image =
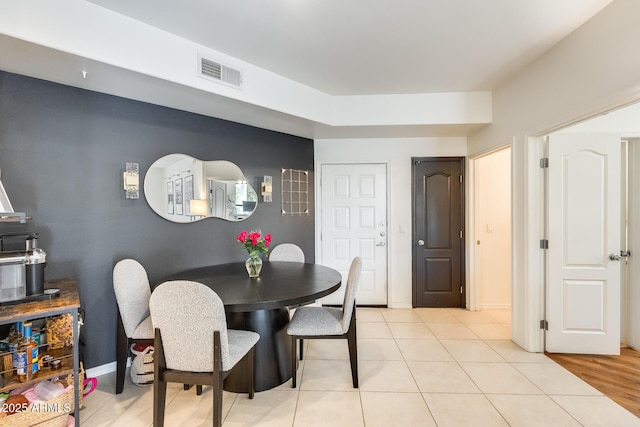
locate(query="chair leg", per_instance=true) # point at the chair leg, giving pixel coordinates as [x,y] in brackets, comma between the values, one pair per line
[353,353]
[294,362]
[159,385]
[217,399]
[122,351]
[251,374]
[301,347]
[199,390]
[159,401]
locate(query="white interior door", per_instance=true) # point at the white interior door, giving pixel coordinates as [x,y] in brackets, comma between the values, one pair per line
[583,289]
[354,223]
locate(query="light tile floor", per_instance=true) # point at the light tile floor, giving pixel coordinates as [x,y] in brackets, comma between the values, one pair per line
[420,367]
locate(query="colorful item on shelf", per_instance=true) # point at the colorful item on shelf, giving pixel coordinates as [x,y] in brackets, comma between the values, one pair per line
[60,331]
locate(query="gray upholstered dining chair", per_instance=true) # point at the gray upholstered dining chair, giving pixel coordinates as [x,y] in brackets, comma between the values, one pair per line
[131,286]
[329,322]
[193,344]
[291,253]
[286,252]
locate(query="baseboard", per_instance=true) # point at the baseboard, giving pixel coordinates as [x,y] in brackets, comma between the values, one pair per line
[399,305]
[107,368]
[495,306]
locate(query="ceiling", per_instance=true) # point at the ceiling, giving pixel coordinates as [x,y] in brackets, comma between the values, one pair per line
[365,47]
[403,56]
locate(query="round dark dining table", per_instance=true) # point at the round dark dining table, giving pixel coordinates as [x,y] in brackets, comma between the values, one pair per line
[260,305]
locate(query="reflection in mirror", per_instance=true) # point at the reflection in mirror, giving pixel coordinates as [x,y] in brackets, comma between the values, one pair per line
[181,188]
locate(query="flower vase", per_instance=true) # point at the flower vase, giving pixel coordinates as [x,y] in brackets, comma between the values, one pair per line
[254,265]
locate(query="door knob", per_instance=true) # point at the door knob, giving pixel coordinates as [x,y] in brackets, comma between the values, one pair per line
[623,254]
[420,242]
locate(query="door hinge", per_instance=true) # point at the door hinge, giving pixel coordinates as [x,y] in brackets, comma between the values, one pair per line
[544,244]
[544,325]
[461,234]
[461,179]
[544,163]
[460,289]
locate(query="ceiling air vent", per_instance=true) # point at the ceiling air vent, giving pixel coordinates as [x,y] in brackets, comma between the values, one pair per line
[214,70]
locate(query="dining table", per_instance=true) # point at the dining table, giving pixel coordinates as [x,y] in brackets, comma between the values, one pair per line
[261,305]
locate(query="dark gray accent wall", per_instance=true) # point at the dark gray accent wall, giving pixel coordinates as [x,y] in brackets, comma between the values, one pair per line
[62,154]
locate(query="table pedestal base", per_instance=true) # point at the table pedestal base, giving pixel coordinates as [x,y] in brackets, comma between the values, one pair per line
[273,350]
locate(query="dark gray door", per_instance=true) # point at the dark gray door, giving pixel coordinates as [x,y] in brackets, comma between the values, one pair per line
[438,232]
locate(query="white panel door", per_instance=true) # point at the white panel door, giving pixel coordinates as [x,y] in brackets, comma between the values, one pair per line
[583,291]
[354,223]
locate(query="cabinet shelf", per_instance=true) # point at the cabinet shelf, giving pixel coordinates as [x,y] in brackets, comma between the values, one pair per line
[66,367]
[67,302]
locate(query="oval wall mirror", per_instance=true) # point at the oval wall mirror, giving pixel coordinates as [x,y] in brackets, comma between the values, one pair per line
[181,188]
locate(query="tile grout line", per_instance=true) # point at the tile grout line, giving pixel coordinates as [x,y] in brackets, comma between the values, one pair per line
[471,379]
[478,386]
[409,369]
[529,380]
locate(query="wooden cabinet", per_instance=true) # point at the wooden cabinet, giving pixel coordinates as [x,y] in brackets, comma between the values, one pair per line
[67,302]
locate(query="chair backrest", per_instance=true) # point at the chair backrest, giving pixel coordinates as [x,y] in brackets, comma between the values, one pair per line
[353,283]
[131,286]
[286,252]
[187,313]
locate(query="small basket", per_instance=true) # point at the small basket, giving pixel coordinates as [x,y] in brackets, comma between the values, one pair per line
[59,421]
[59,409]
[142,366]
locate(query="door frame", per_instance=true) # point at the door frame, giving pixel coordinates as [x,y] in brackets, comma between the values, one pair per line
[463,171]
[473,284]
[318,215]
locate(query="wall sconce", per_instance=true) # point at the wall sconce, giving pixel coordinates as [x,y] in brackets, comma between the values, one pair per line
[266,188]
[131,179]
[198,207]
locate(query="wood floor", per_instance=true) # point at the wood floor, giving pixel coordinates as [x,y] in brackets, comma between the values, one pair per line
[617,377]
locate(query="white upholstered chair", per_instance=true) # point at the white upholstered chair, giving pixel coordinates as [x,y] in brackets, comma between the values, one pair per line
[286,252]
[193,344]
[329,322]
[291,253]
[131,286]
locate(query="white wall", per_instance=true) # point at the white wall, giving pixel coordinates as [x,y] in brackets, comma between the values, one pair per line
[593,70]
[396,153]
[493,229]
[625,121]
